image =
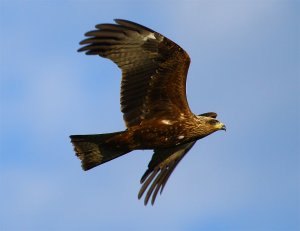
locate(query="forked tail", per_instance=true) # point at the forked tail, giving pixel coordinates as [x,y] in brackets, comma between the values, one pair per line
[94,150]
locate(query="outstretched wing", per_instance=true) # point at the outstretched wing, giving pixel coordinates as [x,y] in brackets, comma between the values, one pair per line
[160,168]
[154,69]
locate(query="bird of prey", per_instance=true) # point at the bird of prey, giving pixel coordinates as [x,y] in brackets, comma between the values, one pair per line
[153,102]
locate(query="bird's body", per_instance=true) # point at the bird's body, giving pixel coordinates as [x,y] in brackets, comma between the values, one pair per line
[160,134]
[153,101]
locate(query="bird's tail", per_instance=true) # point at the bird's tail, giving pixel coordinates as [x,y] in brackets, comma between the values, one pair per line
[94,150]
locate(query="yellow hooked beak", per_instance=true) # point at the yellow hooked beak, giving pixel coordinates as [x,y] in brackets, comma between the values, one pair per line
[221,126]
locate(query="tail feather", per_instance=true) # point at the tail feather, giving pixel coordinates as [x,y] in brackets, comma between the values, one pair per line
[94,150]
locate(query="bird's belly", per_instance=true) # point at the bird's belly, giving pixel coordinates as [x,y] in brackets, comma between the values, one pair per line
[158,137]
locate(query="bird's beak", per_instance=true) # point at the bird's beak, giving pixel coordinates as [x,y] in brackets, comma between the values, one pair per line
[222,127]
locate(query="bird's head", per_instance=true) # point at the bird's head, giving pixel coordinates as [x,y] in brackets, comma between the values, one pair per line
[209,121]
[216,124]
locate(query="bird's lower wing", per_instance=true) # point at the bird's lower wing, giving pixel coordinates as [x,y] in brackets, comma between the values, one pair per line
[161,166]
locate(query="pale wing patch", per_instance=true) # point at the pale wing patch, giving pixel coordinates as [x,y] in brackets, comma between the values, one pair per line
[167,122]
[149,36]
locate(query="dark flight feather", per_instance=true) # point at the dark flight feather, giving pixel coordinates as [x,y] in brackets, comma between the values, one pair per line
[161,166]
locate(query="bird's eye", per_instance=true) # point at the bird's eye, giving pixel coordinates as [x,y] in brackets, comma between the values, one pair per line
[213,122]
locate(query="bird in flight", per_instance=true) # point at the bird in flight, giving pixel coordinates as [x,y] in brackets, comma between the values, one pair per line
[153,103]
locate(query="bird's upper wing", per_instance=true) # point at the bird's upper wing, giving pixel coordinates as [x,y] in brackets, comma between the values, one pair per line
[154,69]
[160,168]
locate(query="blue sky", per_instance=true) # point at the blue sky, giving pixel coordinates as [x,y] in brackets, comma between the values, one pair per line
[245,66]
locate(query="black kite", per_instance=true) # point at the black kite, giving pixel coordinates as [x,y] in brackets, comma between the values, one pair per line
[153,101]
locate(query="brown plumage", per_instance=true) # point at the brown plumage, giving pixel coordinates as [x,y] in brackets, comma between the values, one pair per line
[153,102]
